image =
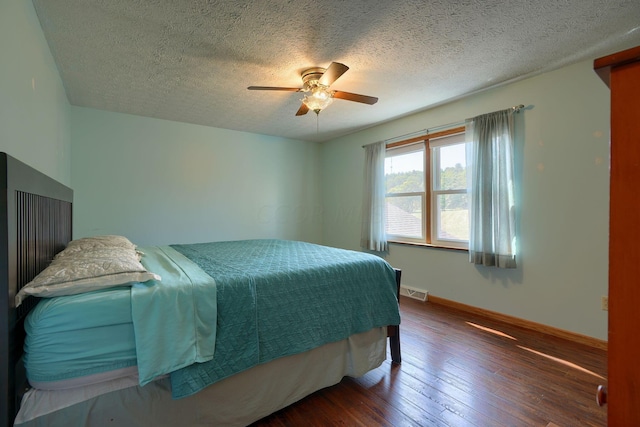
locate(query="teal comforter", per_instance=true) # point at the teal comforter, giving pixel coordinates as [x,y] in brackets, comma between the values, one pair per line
[270,298]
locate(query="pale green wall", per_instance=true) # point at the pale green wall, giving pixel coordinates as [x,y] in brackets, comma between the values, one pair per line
[34,111]
[163,182]
[562,184]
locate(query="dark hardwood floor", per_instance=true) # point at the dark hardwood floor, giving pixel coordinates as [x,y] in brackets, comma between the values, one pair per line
[460,369]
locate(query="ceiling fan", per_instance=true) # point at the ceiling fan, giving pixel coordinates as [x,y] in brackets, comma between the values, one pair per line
[316,82]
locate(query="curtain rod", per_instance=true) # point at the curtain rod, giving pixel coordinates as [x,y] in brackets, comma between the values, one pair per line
[515,108]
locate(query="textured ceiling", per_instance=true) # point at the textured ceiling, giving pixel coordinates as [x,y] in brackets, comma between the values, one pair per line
[192,60]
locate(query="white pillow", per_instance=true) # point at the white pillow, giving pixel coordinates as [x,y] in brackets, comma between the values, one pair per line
[85,271]
[90,243]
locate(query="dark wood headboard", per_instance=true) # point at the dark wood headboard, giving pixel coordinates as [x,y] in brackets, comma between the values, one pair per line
[35,224]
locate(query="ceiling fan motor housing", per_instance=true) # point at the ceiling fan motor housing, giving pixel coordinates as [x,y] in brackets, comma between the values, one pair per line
[311,76]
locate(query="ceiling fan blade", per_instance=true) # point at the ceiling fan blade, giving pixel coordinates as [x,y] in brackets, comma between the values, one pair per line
[355,97]
[332,73]
[302,110]
[288,89]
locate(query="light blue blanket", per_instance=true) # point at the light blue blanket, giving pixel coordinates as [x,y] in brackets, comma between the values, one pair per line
[274,298]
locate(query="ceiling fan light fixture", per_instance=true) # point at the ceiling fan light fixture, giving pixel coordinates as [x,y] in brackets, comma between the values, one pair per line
[316,82]
[319,98]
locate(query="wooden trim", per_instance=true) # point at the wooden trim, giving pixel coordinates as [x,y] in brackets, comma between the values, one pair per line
[602,66]
[406,142]
[527,324]
[447,132]
[426,137]
[623,371]
[426,245]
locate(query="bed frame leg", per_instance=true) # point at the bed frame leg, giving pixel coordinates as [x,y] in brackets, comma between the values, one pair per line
[394,331]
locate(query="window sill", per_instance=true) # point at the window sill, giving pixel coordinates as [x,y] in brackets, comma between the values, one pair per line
[427,245]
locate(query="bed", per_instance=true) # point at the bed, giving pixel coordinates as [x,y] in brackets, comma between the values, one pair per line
[36,227]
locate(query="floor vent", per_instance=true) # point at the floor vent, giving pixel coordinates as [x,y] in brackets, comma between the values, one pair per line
[418,294]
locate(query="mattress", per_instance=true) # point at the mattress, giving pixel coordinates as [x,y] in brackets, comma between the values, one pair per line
[80,339]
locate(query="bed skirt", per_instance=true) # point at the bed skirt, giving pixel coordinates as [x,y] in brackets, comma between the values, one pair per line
[235,401]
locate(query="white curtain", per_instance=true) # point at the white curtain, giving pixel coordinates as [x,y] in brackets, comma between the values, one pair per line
[492,234]
[373,234]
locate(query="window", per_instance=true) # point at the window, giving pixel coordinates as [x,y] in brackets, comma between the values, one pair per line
[449,198]
[426,199]
[404,172]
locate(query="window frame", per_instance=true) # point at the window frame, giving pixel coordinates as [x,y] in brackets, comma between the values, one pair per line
[435,192]
[429,218]
[423,194]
